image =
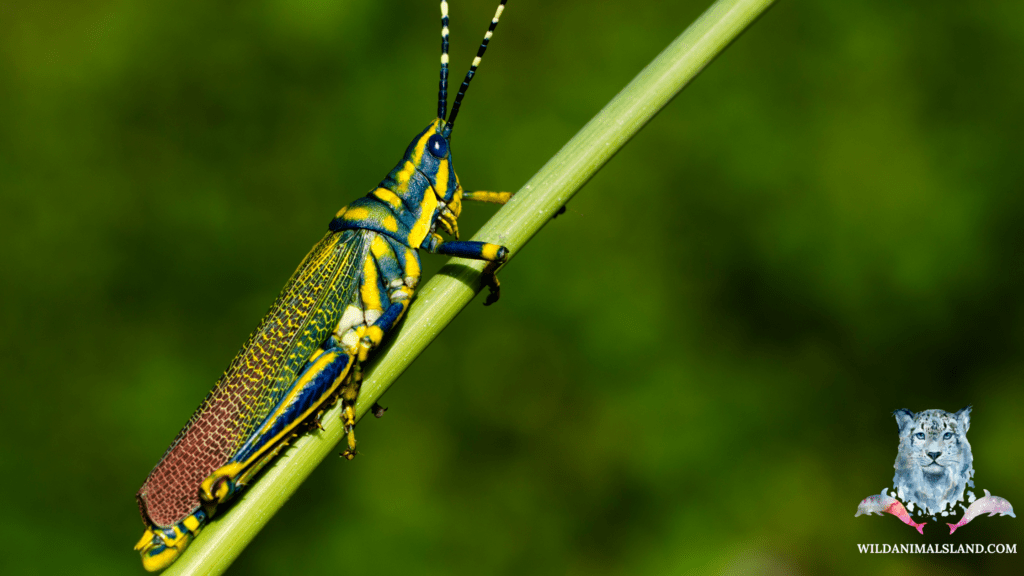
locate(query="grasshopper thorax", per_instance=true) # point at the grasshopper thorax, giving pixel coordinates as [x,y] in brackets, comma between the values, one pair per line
[420,193]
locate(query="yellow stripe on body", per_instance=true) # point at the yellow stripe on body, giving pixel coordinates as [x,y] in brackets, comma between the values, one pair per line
[388,197]
[422,226]
[379,246]
[421,145]
[369,289]
[412,269]
[442,179]
[357,214]
[405,176]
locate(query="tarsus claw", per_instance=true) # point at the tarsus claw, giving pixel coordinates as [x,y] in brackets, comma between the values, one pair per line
[495,289]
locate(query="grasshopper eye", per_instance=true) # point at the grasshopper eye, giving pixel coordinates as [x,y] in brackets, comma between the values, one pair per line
[438,146]
[919,435]
[947,435]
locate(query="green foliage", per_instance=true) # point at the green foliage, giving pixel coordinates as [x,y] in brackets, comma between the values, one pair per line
[692,369]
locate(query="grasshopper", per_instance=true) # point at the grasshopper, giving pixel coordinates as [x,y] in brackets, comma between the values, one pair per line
[345,297]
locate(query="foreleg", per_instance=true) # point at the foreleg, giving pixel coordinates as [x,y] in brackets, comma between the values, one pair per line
[498,198]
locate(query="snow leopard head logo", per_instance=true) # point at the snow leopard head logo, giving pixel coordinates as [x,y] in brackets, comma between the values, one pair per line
[934,462]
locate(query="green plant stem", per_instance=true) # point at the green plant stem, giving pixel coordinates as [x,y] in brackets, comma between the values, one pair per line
[447,293]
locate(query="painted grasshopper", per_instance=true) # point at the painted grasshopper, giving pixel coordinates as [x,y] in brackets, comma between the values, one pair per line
[345,297]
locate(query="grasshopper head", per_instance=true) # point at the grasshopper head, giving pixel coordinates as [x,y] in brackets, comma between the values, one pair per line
[425,178]
[430,152]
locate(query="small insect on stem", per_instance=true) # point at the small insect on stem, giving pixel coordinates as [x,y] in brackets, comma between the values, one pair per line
[346,296]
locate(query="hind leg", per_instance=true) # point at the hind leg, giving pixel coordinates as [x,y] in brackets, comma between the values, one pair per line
[316,383]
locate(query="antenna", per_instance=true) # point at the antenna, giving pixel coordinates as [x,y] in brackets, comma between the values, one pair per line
[472,68]
[442,94]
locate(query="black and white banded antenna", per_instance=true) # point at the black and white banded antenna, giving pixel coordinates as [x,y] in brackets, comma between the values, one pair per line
[442,94]
[472,69]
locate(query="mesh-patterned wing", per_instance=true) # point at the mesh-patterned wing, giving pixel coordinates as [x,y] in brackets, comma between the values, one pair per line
[301,318]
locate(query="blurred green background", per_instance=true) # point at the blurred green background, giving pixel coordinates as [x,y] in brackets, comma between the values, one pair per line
[692,370]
